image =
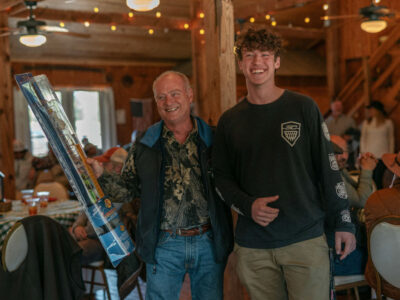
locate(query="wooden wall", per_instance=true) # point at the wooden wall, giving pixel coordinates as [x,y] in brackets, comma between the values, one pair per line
[126,82]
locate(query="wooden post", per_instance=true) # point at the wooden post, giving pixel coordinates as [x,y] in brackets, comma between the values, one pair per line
[6,114]
[332,53]
[367,80]
[214,69]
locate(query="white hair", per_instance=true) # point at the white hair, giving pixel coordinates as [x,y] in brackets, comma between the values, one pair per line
[184,78]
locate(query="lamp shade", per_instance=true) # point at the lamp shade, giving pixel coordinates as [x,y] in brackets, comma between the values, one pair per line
[373,26]
[142,5]
[32,40]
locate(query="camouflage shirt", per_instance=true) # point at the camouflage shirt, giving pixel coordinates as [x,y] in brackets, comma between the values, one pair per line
[185,204]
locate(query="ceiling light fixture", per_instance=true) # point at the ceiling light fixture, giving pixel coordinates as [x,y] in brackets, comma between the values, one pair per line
[142,5]
[373,25]
[32,40]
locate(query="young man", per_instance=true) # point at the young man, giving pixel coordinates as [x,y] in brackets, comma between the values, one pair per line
[182,226]
[273,159]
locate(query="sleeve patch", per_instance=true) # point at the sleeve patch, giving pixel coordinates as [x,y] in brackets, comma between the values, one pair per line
[325,131]
[345,216]
[333,163]
[341,190]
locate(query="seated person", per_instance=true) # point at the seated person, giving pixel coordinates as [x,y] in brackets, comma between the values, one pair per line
[24,172]
[113,159]
[83,232]
[358,193]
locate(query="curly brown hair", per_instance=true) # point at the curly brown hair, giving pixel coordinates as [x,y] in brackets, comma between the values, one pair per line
[264,40]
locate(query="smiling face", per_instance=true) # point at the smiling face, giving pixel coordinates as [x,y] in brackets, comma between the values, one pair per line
[258,66]
[173,99]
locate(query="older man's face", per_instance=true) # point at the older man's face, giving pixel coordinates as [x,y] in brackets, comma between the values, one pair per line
[173,101]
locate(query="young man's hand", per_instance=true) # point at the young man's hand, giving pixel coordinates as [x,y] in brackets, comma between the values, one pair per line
[97,167]
[261,213]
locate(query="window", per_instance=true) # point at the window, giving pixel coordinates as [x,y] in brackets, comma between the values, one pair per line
[91,113]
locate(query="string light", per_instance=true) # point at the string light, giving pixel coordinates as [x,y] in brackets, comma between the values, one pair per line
[307,20]
[267,17]
[273,23]
[130,14]
[186,26]
[113,27]
[201,15]
[151,31]
[252,20]
[86,23]
[158,14]
[96,9]
[325,7]
[202,31]
[62,24]
[325,18]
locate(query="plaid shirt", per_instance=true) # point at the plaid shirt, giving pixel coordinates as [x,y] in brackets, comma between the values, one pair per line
[185,204]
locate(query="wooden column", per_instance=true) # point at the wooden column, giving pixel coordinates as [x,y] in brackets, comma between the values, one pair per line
[6,114]
[214,70]
[332,52]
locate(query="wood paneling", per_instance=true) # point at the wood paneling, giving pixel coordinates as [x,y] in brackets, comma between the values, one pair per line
[6,115]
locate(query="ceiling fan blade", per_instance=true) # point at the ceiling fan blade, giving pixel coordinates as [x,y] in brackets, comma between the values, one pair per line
[339,17]
[76,34]
[53,28]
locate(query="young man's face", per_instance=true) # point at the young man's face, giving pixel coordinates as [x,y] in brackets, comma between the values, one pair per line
[258,66]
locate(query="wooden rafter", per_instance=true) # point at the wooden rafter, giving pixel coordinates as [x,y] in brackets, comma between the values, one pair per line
[145,21]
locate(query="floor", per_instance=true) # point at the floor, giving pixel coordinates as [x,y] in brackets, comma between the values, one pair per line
[185,293]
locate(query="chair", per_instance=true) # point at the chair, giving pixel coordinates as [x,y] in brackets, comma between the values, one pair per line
[350,282]
[15,248]
[39,251]
[383,248]
[56,189]
[93,268]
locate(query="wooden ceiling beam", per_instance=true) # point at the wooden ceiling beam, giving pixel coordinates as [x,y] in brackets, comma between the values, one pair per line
[7,5]
[145,21]
[293,32]
[253,8]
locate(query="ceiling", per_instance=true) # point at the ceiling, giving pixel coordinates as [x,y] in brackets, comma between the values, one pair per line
[131,43]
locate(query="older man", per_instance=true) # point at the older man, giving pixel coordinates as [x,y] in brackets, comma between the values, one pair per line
[338,123]
[182,227]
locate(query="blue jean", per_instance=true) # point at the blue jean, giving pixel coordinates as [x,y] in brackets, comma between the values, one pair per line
[177,255]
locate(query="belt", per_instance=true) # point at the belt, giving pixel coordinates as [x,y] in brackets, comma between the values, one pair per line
[192,231]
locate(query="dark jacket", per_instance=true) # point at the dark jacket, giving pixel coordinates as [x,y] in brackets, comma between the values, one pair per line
[150,171]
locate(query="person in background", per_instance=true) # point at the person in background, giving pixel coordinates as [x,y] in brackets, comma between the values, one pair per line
[183,228]
[338,122]
[113,159]
[358,193]
[82,230]
[272,160]
[24,172]
[377,137]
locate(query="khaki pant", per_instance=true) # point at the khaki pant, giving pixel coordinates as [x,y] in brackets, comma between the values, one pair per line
[299,271]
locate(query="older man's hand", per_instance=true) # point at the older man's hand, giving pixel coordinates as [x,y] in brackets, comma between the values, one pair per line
[97,167]
[349,241]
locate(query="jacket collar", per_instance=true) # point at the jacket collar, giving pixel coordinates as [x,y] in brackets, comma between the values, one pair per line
[153,134]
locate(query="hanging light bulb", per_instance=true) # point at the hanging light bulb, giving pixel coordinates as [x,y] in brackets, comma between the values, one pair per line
[142,5]
[32,40]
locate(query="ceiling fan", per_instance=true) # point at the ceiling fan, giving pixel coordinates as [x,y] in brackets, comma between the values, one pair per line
[32,32]
[373,17]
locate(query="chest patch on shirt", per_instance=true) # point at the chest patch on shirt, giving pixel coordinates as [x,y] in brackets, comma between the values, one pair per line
[290,132]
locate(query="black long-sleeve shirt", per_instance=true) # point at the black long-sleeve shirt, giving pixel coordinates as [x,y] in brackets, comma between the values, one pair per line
[281,148]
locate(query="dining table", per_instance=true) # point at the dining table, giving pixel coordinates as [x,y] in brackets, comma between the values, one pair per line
[63,211]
